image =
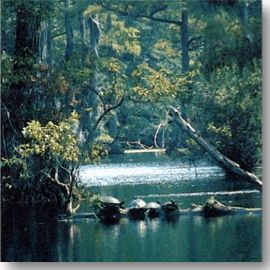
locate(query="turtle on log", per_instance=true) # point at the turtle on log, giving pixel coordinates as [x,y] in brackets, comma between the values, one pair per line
[109,209]
[153,209]
[137,209]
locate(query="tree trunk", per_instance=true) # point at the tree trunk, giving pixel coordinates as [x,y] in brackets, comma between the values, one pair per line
[222,160]
[90,96]
[94,34]
[184,42]
[26,54]
[26,30]
[113,120]
[82,37]
[177,136]
[43,43]
[247,34]
[49,43]
[113,131]
[66,188]
[26,43]
[69,31]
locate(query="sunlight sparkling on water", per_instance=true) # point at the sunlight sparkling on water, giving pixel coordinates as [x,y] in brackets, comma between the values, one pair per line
[108,174]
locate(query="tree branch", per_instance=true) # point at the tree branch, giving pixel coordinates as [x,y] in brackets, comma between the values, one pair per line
[100,98]
[158,9]
[107,110]
[194,39]
[58,35]
[158,19]
[129,143]
[8,117]
[149,17]
[156,134]
[65,186]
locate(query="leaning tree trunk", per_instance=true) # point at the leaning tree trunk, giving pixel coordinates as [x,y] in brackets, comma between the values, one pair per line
[222,160]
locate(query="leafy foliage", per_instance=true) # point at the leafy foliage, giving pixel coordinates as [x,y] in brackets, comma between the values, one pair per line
[83,107]
[57,141]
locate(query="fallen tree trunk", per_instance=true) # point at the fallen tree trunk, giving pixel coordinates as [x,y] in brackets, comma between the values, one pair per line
[222,160]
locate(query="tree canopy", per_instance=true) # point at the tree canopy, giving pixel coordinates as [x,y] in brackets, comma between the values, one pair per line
[116,66]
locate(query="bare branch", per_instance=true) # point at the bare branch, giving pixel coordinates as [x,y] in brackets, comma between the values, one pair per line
[65,186]
[76,208]
[65,169]
[129,143]
[156,134]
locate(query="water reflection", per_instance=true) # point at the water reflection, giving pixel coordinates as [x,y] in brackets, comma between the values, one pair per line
[114,229]
[141,227]
[153,225]
[231,238]
[34,235]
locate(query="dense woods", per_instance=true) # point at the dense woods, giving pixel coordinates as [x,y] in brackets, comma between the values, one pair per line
[83,79]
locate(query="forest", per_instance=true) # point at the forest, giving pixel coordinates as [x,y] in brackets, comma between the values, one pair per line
[85,79]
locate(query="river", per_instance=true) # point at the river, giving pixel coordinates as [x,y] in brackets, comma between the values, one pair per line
[34,236]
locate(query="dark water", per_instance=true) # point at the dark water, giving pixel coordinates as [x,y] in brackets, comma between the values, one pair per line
[35,236]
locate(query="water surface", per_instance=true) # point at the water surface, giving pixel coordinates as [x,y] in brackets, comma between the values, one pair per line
[34,236]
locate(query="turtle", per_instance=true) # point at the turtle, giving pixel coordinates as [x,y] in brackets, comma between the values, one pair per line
[214,208]
[169,208]
[110,201]
[153,209]
[137,209]
[109,208]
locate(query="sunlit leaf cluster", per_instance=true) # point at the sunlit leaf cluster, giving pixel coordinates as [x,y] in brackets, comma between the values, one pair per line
[56,140]
[123,39]
[152,84]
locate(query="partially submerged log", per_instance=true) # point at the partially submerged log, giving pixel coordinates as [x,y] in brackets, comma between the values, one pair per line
[214,208]
[77,216]
[222,160]
[167,211]
[199,210]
